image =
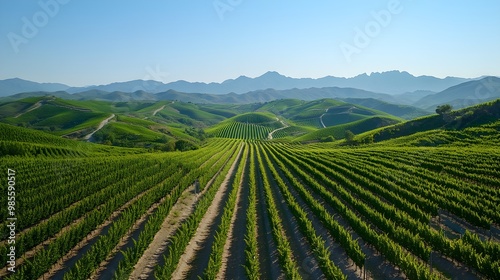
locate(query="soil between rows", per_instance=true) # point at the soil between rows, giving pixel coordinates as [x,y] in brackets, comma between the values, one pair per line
[376,265]
[185,206]
[268,254]
[308,265]
[195,257]
[233,258]
[338,254]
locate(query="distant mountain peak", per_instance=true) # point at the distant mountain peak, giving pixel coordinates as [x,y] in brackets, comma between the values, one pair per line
[271,74]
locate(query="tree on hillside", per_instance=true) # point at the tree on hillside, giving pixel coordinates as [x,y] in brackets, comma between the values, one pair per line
[444,109]
[349,136]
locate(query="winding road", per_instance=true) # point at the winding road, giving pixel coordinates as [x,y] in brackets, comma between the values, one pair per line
[321,118]
[270,135]
[101,125]
[158,110]
[35,106]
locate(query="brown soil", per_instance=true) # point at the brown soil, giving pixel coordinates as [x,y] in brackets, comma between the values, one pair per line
[337,253]
[376,265]
[179,212]
[203,230]
[302,251]
[455,226]
[451,268]
[235,234]
[268,254]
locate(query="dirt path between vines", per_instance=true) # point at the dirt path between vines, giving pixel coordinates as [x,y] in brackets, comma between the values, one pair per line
[35,106]
[235,234]
[377,267]
[203,230]
[124,240]
[302,252]
[101,125]
[184,207]
[270,135]
[178,214]
[158,110]
[338,254]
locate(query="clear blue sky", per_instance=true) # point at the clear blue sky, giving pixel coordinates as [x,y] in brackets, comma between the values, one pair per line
[84,42]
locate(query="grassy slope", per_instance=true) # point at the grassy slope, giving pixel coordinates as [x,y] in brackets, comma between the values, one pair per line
[133,132]
[338,131]
[278,107]
[13,108]
[457,120]
[292,132]
[483,135]
[56,119]
[403,111]
[256,118]
[30,142]
[75,118]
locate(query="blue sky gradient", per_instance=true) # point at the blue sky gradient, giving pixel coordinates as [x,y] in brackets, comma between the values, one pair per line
[98,42]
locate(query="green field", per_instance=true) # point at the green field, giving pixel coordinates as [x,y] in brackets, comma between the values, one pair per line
[408,200]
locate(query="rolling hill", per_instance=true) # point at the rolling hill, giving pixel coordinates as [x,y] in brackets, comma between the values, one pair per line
[459,96]
[475,116]
[338,131]
[292,118]
[426,189]
[130,124]
[321,113]
[463,95]
[406,112]
[255,125]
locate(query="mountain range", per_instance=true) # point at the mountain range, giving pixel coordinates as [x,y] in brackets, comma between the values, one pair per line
[459,96]
[391,82]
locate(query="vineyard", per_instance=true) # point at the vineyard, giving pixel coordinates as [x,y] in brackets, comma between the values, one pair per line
[251,209]
[238,130]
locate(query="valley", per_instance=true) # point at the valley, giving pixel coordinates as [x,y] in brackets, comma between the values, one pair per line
[182,190]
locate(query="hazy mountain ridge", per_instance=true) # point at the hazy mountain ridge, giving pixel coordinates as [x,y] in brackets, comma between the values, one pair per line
[465,94]
[391,82]
[459,96]
[16,85]
[230,98]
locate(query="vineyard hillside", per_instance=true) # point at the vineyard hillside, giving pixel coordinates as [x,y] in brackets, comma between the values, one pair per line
[256,125]
[478,115]
[356,127]
[240,205]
